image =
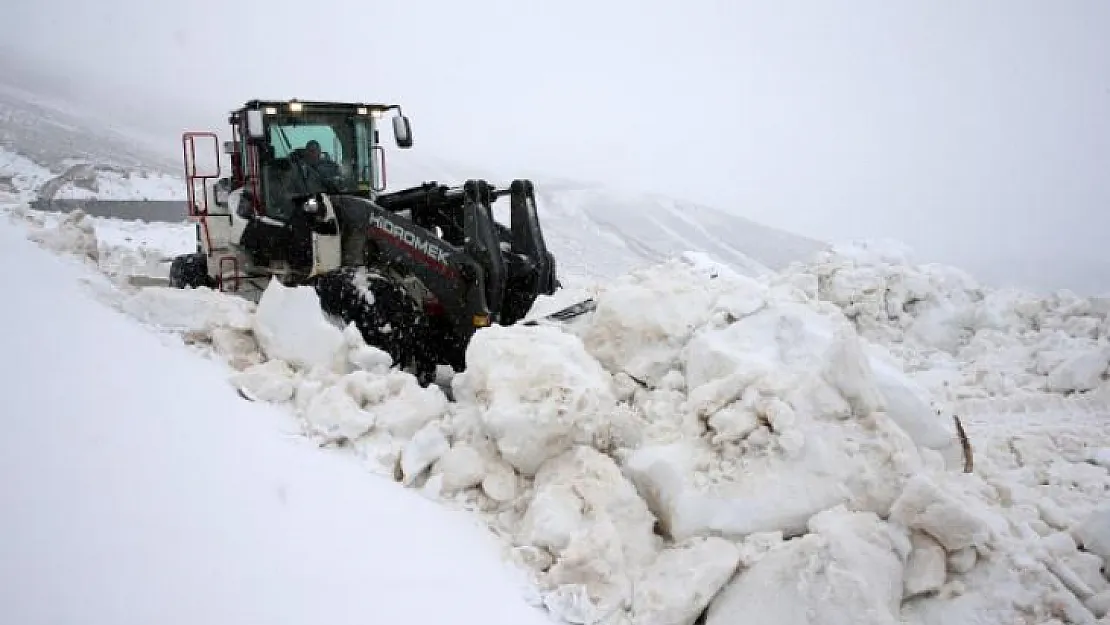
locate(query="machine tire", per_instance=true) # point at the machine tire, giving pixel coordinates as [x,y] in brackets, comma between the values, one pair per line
[384,313]
[190,271]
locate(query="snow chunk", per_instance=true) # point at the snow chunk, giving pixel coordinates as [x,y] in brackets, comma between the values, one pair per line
[426,446]
[1093,534]
[927,566]
[761,503]
[907,405]
[291,326]
[537,392]
[370,358]
[587,514]
[1081,372]
[335,416]
[500,482]
[847,571]
[271,381]
[461,467]
[401,406]
[678,586]
[781,342]
[643,319]
[924,506]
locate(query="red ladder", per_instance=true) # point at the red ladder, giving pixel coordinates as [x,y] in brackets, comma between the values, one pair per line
[195,181]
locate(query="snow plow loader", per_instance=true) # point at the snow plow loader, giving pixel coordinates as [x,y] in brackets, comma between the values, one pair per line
[418,270]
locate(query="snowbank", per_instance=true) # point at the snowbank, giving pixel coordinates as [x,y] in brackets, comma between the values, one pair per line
[704,436]
[120,248]
[141,489]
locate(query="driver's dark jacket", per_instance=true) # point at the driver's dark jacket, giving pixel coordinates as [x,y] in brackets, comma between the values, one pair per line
[317,178]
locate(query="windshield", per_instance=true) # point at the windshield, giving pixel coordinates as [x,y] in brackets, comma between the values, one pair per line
[324,151]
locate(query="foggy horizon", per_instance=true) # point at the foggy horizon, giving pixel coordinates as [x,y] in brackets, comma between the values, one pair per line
[978,134]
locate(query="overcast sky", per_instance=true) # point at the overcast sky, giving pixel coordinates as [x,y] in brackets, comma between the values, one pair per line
[977,132]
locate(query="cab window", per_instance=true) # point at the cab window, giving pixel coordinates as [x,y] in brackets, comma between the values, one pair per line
[289,138]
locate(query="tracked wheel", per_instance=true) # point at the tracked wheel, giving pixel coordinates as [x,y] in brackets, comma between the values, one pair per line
[383,311]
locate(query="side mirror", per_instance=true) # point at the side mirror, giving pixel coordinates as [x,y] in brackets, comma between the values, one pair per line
[311,206]
[402,131]
[255,127]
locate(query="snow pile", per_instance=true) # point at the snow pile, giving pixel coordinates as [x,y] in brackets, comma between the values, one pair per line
[704,437]
[73,234]
[644,438]
[135,248]
[121,248]
[967,341]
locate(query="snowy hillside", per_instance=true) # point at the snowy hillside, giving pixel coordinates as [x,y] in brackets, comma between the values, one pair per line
[613,232]
[57,134]
[777,450]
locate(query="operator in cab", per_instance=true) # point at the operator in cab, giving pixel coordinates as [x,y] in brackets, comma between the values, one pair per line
[318,173]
